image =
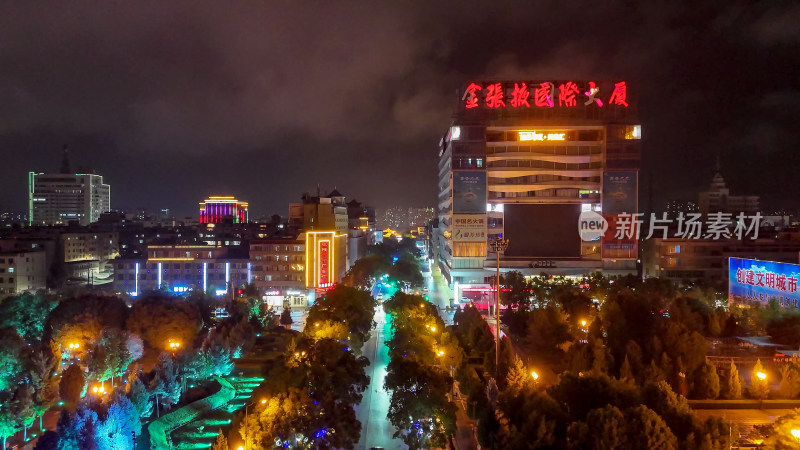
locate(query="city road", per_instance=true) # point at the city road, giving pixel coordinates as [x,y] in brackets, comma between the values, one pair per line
[376,430]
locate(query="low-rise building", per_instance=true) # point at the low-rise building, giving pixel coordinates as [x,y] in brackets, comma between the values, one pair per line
[278,270]
[707,259]
[22,271]
[180,268]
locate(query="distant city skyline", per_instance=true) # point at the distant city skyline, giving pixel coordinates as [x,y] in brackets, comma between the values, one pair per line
[261,103]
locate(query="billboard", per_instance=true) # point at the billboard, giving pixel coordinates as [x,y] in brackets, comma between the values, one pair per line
[619,195]
[469,227]
[469,192]
[751,280]
[542,230]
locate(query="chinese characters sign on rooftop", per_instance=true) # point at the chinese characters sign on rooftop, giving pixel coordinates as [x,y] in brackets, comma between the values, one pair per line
[544,94]
[752,280]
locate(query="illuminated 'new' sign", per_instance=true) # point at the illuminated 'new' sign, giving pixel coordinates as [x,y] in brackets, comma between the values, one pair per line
[546,94]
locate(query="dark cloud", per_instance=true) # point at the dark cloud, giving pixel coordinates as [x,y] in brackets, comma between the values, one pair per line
[175,100]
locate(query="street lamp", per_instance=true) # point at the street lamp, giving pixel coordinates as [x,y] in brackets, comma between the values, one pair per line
[263,402]
[761,375]
[174,345]
[498,245]
[535,376]
[796,433]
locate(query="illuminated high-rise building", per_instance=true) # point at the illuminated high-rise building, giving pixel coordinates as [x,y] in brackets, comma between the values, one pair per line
[523,161]
[219,209]
[59,198]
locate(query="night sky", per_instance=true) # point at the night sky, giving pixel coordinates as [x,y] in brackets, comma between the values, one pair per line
[174,101]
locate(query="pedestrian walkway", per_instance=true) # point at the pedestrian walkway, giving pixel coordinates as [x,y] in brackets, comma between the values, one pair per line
[466,436]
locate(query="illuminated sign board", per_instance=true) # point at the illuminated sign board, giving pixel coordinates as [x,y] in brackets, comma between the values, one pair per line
[469,227]
[541,136]
[544,94]
[619,196]
[754,281]
[323,254]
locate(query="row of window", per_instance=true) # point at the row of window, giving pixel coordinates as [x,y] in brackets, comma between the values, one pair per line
[153,276]
[285,258]
[570,150]
[10,280]
[166,266]
[527,179]
[278,248]
[537,164]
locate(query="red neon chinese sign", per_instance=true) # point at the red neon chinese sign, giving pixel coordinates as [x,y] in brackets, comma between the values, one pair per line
[323,277]
[567,93]
[620,95]
[494,95]
[545,94]
[520,96]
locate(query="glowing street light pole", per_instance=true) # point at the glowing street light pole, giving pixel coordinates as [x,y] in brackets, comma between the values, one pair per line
[174,345]
[498,245]
[263,402]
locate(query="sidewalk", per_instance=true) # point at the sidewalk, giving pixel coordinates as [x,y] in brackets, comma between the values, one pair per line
[465,438]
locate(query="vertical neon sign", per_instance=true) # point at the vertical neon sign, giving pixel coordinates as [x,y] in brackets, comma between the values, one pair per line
[158,286]
[248,273]
[227,275]
[136,283]
[205,277]
[323,277]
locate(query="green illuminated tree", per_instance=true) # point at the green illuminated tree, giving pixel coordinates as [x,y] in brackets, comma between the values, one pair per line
[27,313]
[141,398]
[11,351]
[120,425]
[166,385]
[9,423]
[42,367]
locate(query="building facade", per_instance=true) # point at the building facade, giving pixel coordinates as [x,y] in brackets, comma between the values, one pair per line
[278,270]
[59,198]
[180,268]
[22,271]
[718,198]
[682,260]
[523,161]
[223,209]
